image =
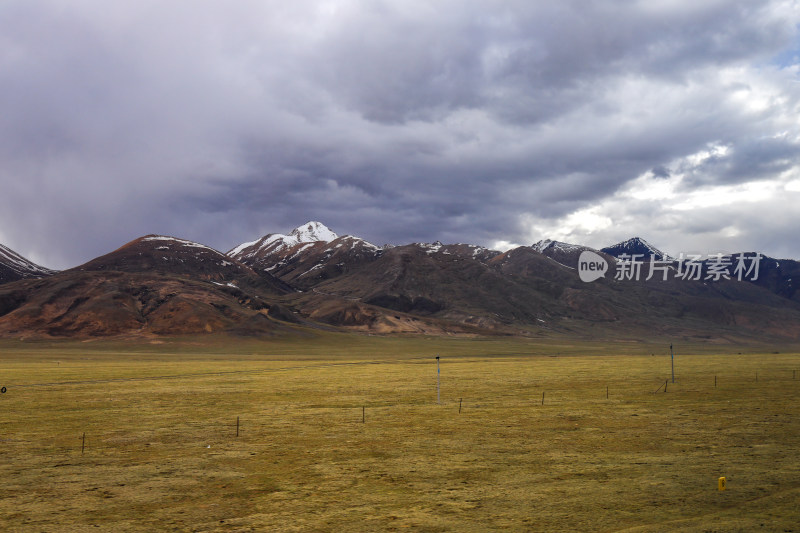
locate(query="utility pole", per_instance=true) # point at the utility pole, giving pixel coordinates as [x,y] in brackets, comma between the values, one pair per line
[437,380]
[672,358]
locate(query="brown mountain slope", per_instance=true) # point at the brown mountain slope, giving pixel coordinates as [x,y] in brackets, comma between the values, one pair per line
[86,304]
[152,285]
[305,265]
[437,282]
[179,257]
[524,291]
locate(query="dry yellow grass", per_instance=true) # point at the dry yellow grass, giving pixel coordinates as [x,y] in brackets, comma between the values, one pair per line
[161,451]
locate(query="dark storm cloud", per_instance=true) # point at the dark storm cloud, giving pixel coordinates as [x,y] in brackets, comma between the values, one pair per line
[749,159]
[395,121]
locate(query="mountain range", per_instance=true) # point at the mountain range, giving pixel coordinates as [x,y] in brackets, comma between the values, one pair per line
[313,278]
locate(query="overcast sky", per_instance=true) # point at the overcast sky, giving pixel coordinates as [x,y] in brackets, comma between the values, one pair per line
[491,122]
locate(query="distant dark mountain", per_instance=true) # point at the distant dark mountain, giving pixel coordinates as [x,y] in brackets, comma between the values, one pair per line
[636,246]
[780,276]
[14,267]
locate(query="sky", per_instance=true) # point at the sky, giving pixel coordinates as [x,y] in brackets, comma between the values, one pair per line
[497,123]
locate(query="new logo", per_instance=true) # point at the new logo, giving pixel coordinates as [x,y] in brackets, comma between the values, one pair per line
[591,266]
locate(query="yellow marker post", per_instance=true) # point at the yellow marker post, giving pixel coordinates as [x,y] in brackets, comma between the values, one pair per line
[722,483]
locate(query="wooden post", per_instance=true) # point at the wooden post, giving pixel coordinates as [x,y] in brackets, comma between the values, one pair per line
[83,443]
[237,426]
[542,397]
[363,415]
[606,392]
[459,405]
[665,385]
[715,382]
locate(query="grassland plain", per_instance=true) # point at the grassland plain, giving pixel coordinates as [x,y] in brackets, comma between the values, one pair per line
[343,433]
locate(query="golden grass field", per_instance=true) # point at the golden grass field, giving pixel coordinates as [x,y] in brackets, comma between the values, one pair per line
[161,451]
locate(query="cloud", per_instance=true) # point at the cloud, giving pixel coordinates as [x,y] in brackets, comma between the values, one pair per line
[397,121]
[726,218]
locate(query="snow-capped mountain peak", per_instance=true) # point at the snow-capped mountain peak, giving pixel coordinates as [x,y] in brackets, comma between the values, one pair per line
[313,231]
[636,245]
[310,232]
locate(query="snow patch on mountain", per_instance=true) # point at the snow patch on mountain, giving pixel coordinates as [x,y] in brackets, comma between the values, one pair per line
[351,243]
[242,247]
[182,242]
[430,247]
[20,265]
[546,244]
